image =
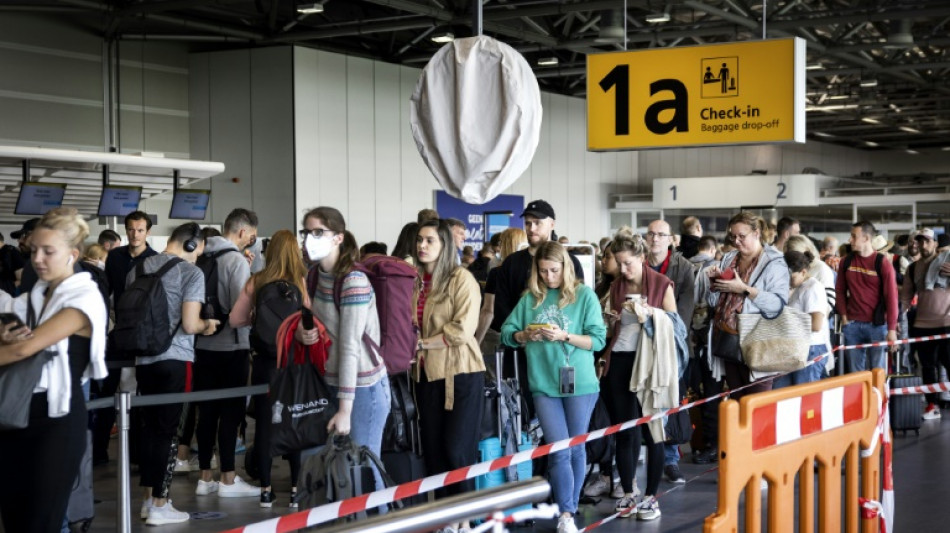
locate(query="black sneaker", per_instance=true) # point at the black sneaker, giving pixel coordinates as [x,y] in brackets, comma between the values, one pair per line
[673,474]
[267,499]
[707,456]
[294,500]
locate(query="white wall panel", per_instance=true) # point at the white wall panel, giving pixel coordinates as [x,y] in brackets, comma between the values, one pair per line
[332,130]
[360,148]
[306,131]
[387,152]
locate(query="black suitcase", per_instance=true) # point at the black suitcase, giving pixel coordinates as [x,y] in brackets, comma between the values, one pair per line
[404,467]
[906,410]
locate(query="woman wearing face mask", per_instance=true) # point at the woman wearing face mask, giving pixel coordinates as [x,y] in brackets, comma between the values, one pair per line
[558,322]
[807,295]
[66,315]
[282,264]
[344,301]
[652,291]
[450,366]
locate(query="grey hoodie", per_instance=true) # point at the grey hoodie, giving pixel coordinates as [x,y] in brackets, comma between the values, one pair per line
[233,273]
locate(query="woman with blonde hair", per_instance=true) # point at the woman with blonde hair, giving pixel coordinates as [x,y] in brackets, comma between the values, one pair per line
[558,322]
[450,371]
[95,255]
[283,266]
[753,278]
[62,320]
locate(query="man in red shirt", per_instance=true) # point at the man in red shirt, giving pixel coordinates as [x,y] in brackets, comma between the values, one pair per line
[866,292]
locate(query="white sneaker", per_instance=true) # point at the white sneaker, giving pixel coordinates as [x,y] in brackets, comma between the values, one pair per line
[238,489]
[207,487]
[146,505]
[166,514]
[565,524]
[183,466]
[617,492]
[933,413]
[597,487]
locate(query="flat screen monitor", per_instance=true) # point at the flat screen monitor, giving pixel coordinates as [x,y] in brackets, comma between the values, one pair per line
[191,204]
[118,201]
[38,198]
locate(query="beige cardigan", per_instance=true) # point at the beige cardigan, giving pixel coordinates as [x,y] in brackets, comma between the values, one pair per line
[454,314]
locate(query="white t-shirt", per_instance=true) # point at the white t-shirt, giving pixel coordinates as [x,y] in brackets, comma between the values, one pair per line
[810,298]
[629,336]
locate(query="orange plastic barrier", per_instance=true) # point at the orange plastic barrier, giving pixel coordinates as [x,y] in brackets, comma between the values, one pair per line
[776,435]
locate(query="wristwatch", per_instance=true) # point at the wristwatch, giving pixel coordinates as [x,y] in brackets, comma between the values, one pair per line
[747,293]
[419,347]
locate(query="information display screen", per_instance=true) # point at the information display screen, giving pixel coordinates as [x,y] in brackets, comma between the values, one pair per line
[190,204]
[38,198]
[118,201]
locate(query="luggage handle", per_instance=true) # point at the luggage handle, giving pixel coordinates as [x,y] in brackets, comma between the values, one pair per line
[499,357]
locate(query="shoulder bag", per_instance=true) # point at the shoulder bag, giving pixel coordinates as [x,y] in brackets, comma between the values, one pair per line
[778,344]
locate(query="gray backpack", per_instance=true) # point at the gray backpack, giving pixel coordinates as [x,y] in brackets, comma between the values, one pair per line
[341,469]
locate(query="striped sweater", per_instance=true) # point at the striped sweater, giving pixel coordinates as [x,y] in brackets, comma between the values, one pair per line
[350,363]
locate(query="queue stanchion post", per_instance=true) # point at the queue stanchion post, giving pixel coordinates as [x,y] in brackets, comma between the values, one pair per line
[123,400]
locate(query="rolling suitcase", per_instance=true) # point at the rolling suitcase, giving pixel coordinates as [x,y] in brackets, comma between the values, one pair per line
[402,457]
[906,410]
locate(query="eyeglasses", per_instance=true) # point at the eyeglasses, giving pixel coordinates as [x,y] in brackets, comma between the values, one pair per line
[739,237]
[652,235]
[318,233]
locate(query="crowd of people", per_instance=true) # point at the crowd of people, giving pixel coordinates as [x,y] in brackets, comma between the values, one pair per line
[661,323]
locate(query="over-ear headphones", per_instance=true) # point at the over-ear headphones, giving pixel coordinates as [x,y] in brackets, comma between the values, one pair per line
[192,243]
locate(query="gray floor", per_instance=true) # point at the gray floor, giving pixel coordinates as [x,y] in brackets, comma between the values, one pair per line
[921,465]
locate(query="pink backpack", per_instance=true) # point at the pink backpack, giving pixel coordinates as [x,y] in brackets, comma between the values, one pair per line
[393,282]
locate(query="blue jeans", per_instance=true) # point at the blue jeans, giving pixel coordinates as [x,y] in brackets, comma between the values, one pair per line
[807,374]
[864,358]
[671,453]
[370,409]
[561,418]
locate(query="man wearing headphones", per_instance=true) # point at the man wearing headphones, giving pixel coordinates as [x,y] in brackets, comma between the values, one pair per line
[184,286]
[119,263]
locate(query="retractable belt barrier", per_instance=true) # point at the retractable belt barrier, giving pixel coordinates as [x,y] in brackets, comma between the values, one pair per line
[181,397]
[335,510]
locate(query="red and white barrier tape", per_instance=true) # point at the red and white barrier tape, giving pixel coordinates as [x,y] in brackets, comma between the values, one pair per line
[335,510]
[931,388]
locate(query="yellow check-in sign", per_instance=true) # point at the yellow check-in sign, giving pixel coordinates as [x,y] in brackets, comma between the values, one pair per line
[741,93]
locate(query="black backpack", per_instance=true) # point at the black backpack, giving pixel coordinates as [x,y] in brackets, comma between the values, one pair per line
[142,326]
[273,303]
[208,263]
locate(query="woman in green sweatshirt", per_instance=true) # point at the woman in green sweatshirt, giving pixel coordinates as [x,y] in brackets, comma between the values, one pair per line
[558,322]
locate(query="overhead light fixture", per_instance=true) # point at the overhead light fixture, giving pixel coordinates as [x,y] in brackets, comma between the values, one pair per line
[839,97]
[658,18]
[823,134]
[814,66]
[310,8]
[912,152]
[547,62]
[869,83]
[872,144]
[611,27]
[443,37]
[870,120]
[835,107]
[908,129]
[945,149]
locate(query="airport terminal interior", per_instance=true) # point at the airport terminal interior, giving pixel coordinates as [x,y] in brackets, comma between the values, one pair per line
[187,110]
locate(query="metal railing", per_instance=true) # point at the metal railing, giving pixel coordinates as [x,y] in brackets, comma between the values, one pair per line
[468,506]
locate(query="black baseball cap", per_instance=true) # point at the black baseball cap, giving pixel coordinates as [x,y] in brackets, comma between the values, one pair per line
[28,227]
[539,209]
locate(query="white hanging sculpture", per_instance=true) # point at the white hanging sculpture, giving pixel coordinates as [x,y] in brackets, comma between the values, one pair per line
[476,117]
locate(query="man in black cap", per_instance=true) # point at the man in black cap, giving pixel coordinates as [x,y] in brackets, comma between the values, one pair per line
[513,280]
[11,261]
[27,275]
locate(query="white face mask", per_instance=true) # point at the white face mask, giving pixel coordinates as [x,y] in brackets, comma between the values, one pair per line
[316,248]
[101,264]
